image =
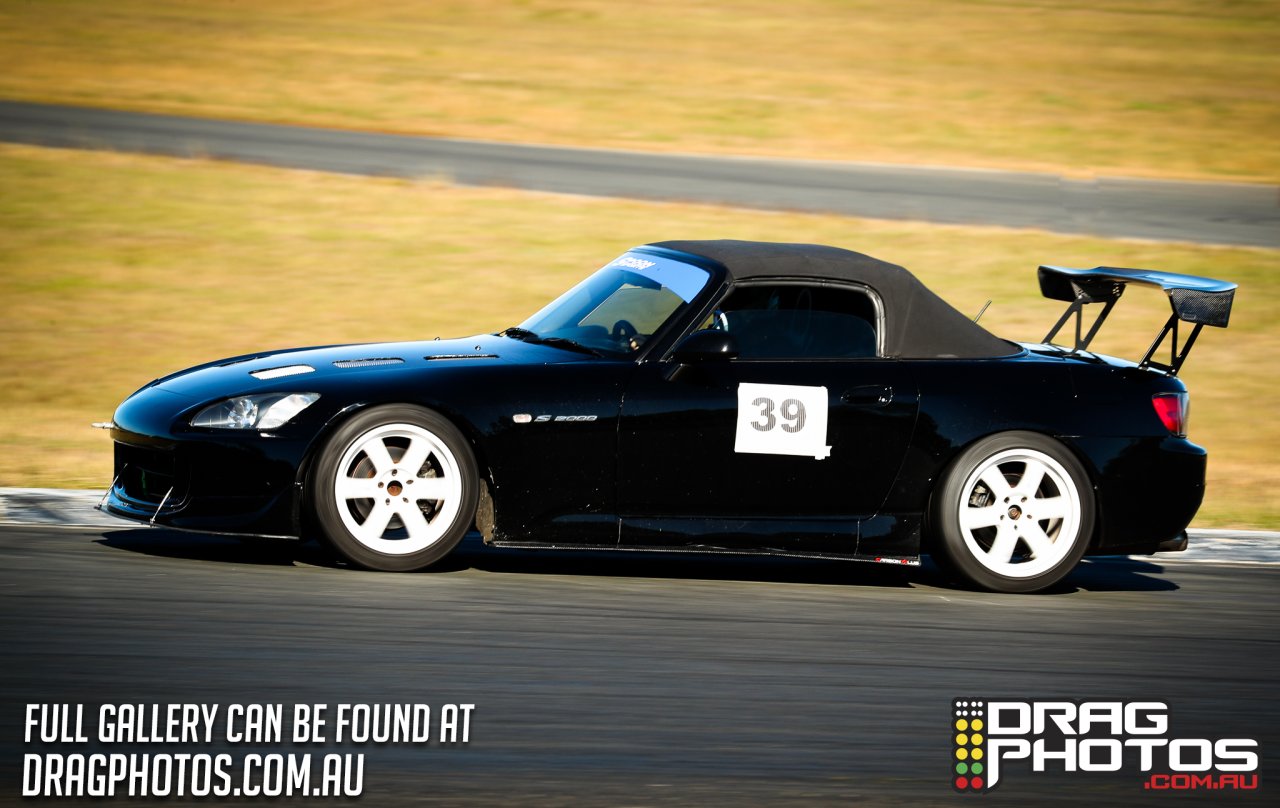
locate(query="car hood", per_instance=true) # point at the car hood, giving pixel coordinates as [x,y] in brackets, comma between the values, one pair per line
[294,368]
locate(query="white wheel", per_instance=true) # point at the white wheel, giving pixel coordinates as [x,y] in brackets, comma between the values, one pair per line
[1014,513]
[1020,513]
[395,488]
[398,489]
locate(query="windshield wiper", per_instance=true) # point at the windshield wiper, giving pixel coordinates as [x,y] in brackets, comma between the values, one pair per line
[568,344]
[525,335]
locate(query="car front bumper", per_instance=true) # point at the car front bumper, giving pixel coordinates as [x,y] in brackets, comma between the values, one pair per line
[167,473]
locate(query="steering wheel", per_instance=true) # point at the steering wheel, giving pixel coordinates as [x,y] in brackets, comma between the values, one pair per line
[624,331]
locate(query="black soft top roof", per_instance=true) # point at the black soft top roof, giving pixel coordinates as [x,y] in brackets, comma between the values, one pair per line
[917,323]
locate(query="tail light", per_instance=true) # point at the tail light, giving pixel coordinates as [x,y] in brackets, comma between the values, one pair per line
[1173,409]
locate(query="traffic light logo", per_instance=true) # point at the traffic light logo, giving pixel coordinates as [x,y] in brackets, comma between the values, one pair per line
[968,745]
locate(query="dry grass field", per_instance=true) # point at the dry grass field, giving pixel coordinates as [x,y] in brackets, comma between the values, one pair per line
[115,269]
[1186,88]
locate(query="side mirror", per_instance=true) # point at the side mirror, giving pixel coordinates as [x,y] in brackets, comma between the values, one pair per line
[704,346]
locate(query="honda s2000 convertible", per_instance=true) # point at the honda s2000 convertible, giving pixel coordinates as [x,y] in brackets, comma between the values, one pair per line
[702,396]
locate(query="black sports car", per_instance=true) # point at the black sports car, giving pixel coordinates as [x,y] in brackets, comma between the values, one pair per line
[702,396]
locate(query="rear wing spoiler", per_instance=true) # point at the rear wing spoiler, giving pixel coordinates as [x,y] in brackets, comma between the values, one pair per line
[1200,301]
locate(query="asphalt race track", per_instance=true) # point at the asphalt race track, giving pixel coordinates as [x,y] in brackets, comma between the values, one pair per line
[615,679]
[1216,213]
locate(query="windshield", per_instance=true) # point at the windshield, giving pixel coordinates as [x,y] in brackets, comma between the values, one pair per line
[619,307]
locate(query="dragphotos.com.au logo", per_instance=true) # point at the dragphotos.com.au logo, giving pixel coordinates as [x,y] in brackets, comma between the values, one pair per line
[1090,736]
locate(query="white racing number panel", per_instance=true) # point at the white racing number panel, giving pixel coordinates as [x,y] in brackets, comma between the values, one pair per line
[782,419]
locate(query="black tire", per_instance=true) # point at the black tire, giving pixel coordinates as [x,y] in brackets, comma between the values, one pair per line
[1003,479]
[351,460]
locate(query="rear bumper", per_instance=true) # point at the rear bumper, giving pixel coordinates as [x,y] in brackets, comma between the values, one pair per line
[1147,491]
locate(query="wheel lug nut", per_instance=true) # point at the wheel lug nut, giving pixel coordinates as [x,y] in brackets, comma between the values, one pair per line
[393,472]
[379,485]
[406,499]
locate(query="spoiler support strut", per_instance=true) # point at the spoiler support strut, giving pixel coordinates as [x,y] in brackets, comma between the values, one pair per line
[1176,357]
[1077,308]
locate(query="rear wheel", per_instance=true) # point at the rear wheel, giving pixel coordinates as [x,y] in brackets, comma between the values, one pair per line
[1014,513]
[395,488]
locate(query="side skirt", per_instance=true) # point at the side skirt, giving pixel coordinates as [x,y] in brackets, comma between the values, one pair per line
[910,561]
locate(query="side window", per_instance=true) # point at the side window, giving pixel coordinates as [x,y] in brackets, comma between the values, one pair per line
[798,322]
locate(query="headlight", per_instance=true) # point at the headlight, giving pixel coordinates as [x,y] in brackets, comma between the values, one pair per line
[266,411]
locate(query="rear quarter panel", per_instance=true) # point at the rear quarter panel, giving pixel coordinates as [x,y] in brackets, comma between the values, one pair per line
[1147,483]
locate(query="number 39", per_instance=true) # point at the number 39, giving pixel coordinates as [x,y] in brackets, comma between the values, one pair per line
[792,413]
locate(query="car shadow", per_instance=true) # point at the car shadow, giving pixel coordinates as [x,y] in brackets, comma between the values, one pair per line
[1116,574]
[163,543]
[1099,574]
[688,566]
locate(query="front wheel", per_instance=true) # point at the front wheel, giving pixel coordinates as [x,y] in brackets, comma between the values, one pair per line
[395,488]
[1014,513]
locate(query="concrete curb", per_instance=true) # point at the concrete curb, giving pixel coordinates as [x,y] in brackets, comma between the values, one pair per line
[75,508]
[54,506]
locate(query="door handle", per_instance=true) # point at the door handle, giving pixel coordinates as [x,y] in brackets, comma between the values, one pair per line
[868,395]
